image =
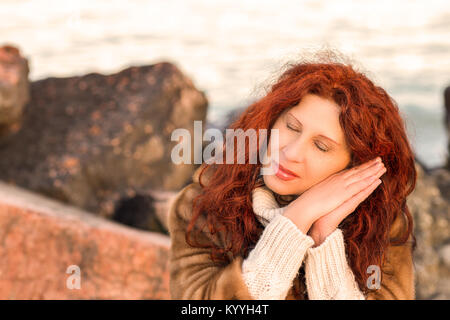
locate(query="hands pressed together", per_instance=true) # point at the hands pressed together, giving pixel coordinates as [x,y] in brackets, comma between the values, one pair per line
[320,209]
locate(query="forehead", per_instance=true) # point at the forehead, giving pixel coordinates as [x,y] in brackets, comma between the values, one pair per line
[317,106]
[318,115]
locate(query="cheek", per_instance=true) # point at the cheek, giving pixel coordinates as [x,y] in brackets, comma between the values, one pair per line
[316,170]
[321,169]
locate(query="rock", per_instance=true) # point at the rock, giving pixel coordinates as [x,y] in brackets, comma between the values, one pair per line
[44,242]
[430,210]
[447,122]
[14,90]
[94,140]
[441,176]
[444,253]
[147,212]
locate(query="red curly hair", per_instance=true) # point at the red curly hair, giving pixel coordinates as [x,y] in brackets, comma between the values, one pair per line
[372,126]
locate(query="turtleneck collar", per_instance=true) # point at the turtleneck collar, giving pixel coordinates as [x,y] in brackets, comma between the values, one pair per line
[267,204]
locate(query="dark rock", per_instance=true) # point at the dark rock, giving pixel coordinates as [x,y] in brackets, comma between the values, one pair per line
[447,122]
[139,212]
[93,140]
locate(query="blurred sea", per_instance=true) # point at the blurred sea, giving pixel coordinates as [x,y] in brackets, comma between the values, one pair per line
[231,49]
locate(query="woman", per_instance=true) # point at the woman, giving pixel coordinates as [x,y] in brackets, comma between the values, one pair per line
[331,223]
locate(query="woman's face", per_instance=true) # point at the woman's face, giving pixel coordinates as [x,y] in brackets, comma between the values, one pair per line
[311,145]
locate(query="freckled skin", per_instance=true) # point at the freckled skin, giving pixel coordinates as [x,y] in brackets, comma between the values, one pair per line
[300,145]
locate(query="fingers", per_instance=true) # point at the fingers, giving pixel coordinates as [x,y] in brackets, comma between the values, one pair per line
[351,204]
[350,172]
[363,194]
[363,171]
[369,163]
[368,172]
[364,180]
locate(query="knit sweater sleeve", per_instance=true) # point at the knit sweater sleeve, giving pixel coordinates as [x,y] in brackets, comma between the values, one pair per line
[272,265]
[328,275]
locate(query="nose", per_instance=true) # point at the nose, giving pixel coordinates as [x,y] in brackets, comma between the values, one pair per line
[294,151]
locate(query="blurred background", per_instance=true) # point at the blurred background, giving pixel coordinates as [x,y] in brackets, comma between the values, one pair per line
[91,90]
[228,48]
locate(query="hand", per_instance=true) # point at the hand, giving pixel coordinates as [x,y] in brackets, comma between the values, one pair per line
[336,196]
[326,224]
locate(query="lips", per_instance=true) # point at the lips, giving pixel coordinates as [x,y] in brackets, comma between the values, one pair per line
[287,171]
[284,173]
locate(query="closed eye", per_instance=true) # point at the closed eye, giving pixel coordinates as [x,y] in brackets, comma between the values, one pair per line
[321,149]
[318,147]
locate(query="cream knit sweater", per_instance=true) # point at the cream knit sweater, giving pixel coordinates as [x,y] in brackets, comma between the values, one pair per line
[272,265]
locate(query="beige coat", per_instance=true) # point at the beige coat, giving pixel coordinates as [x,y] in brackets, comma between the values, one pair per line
[193,275]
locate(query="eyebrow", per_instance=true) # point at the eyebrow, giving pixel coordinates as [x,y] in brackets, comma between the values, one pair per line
[320,135]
